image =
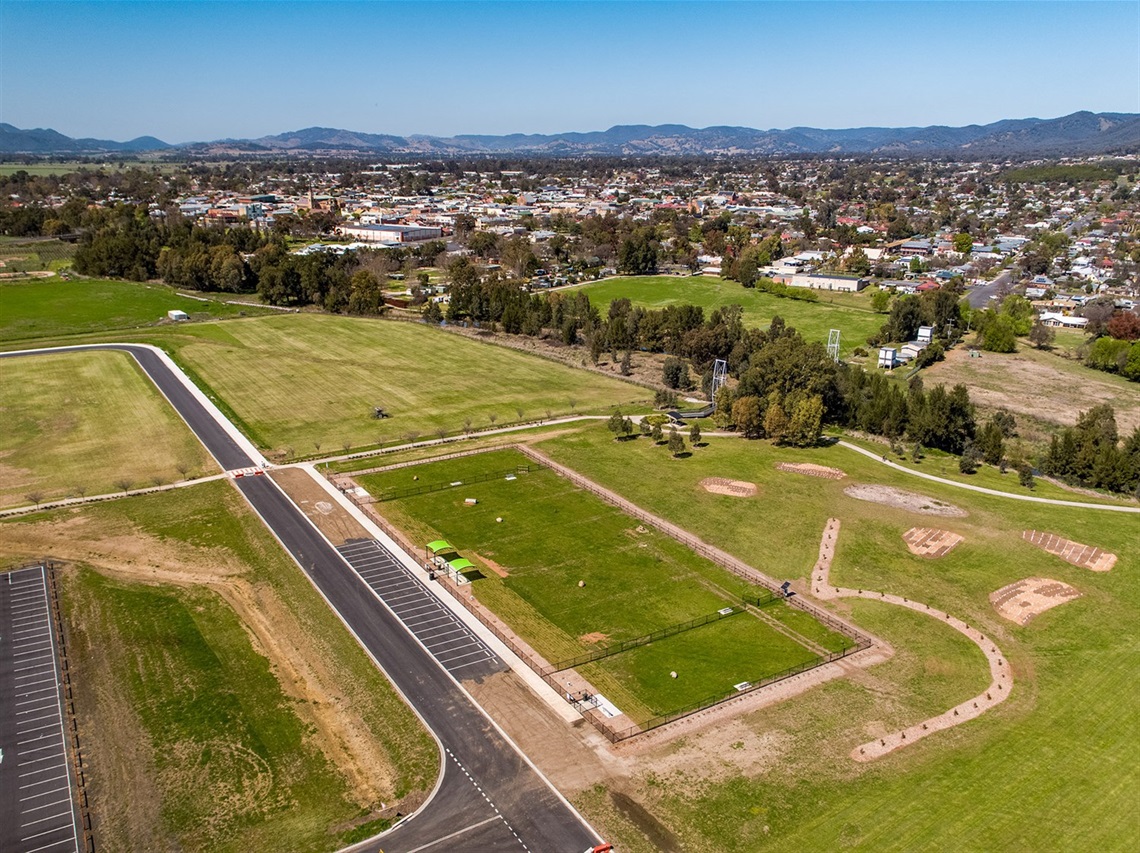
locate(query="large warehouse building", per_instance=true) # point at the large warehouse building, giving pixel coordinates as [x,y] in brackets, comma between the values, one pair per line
[390,233]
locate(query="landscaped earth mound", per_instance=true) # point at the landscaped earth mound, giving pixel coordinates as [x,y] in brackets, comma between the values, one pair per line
[811,470]
[724,486]
[1022,600]
[1085,556]
[902,499]
[930,541]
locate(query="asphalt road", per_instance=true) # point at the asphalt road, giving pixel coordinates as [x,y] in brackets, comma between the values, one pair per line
[979,297]
[489,797]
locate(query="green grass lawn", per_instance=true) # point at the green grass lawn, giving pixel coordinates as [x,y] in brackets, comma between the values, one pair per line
[553,536]
[708,661]
[88,421]
[1049,769]
[232,764]
[849,313]
[301,380]
[55,308]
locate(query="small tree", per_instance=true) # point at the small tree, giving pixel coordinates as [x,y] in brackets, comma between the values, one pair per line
[626,427]
[674,373]
[346,445]
[158,480]
[35,497]
[317,446]
[676,442]
[519,412]
[746,415]
[656,434]
[695,434]
[644,428]
[1025,475]
[971,456]
[492,418]
[467,425]
[1041,336]
[626,363]
[441,432]
[615,423]
[124,484]
[183,468]
[916,452]
[80,490]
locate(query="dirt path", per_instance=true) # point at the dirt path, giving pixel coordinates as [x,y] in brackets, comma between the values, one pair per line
[1001,678]
[996,492]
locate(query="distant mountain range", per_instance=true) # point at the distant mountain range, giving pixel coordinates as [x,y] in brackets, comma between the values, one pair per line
[1082,133]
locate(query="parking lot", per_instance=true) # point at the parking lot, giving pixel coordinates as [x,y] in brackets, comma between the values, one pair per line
[451,643]
[37,802]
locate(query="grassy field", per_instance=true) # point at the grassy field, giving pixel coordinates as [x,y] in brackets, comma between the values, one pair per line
[849,313]
[54,307]
[582,574]
[1038,385]
[942,464]
[1048,769]
[88,421]
[222,704]
[301,380]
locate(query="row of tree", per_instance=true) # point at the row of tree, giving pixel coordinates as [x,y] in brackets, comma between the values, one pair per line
[1092,454]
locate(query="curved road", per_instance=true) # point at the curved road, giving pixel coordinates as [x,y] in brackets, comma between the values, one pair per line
[489,796]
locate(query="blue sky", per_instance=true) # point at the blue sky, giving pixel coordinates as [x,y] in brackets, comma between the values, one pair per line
[200,70]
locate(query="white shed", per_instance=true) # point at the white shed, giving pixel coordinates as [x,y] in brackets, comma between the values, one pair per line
[888,357]
[177,315]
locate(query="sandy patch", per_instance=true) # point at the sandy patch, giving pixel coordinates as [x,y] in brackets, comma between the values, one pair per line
[333,521]
[930,541]
[902,499]
[1021,601]
[811,470]
[494,567]
[594,637]
[724,486]
[1085,556]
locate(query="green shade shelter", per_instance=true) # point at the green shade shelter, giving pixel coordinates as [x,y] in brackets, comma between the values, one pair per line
[460,565]
[440,545]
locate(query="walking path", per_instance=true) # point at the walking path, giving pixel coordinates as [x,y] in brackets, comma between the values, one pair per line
[878,457]
[1001,682]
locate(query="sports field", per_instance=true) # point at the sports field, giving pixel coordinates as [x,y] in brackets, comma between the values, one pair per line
[1048,769]
[570,573]
[52,308]
[301,380]
[221,704]
[88,422]
[849,313]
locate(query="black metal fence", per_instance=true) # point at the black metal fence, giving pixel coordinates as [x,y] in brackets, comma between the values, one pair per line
[646,639]
[615,735]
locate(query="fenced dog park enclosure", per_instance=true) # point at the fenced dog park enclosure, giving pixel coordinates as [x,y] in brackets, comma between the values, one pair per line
[622,618]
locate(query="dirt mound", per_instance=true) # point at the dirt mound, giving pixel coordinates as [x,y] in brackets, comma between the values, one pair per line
[930,541]
[1022,600]
[1085,556]
[811,470]
[723,486]
[902,499]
